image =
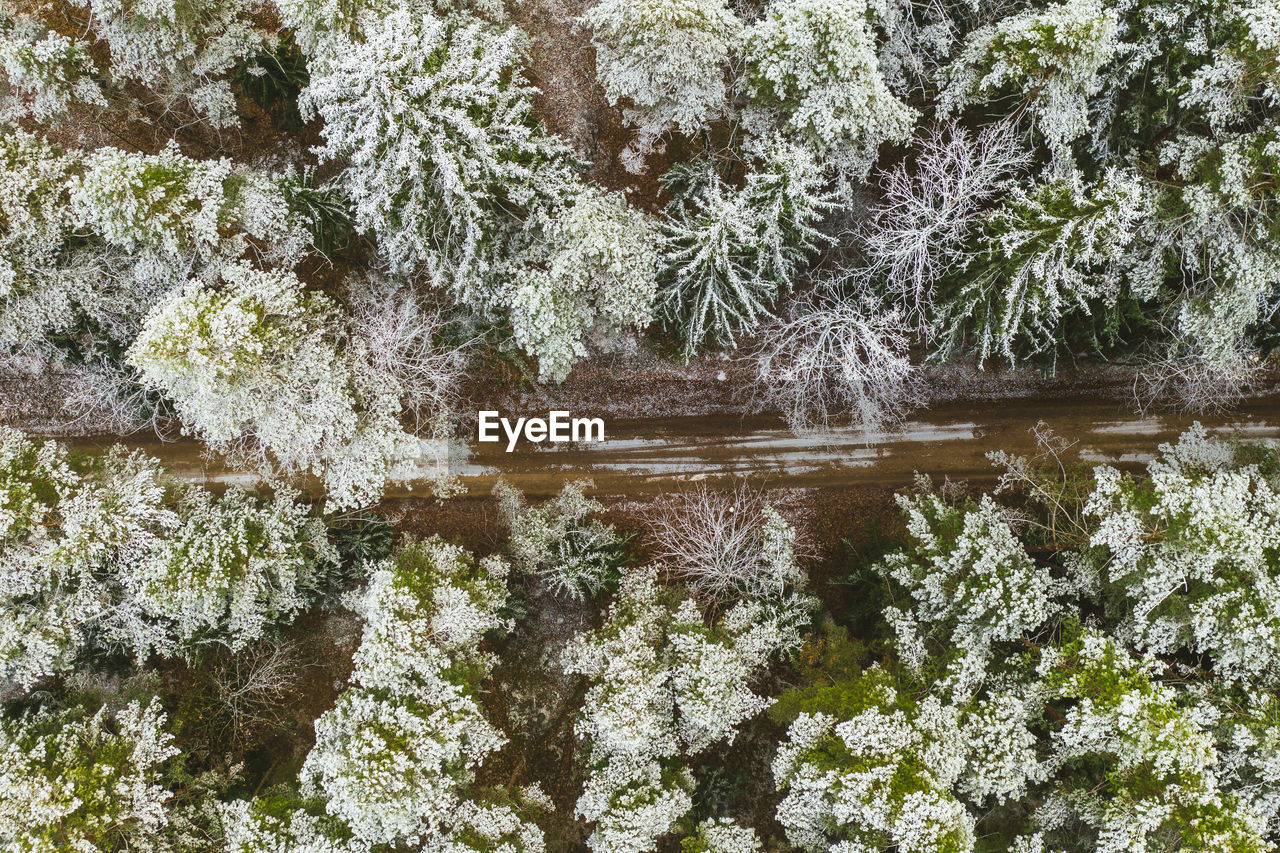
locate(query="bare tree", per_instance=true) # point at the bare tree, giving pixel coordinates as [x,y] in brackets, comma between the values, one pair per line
[402,340]
[833,360]
[919,231]
[1195,385]
[725,544]
[251,689]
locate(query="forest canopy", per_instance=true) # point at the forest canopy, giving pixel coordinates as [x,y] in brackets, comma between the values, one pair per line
[306,235]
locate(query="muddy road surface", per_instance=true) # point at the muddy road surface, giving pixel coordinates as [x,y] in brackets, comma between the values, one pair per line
[645,457]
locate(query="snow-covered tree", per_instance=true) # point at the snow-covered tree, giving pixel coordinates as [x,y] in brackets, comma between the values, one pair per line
[268,825]
[668,59]
[235,566]
[256,366]
[45,72]
[442,152]
[1048,58]
[729,251]
[1154,783]
[589,276]
[1224,241]
[812,65]
[84,783]
[94,240]
[664,685]
[36,292]
[560,541]
[1048,252]
[637,787]
[182,52]
[722,836]
[116,557]
[880,777]
[395,758]
[69,540]
[921,229]
[401,337]
[971,584]
[1191,549]
[167,201]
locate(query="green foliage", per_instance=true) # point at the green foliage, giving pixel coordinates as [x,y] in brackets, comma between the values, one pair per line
[1045,256]
[828,667]
[323,209]
[274,79]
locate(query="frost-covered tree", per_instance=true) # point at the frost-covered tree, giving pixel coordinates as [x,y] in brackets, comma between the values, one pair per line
[729,251]
[1049,252]
[812,65]
[725,545]
[1249,765]
[257,366]
[396,756]
[84,783]
[168,201]
[637,787]
[443,156]
[560,541]
[93,240]
[664,684]
[590,275]
[70,540]
[1191,549]
[37,292]
[1051,57]
[831,360]
[115,557]
[402,342]
[1154,784]
[269,825]
[878,777]
[1224,239]
[722,836]
[44,72]
[235,566]
[920,230]
[668,59]
[182,52]
[971,584]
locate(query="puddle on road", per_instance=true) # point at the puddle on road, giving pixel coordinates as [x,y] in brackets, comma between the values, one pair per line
[649,456]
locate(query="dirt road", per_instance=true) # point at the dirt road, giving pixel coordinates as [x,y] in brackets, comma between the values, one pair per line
[642,457]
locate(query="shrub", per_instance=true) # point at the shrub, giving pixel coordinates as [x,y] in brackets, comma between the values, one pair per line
[726,545]
[560,543]
[833,360]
